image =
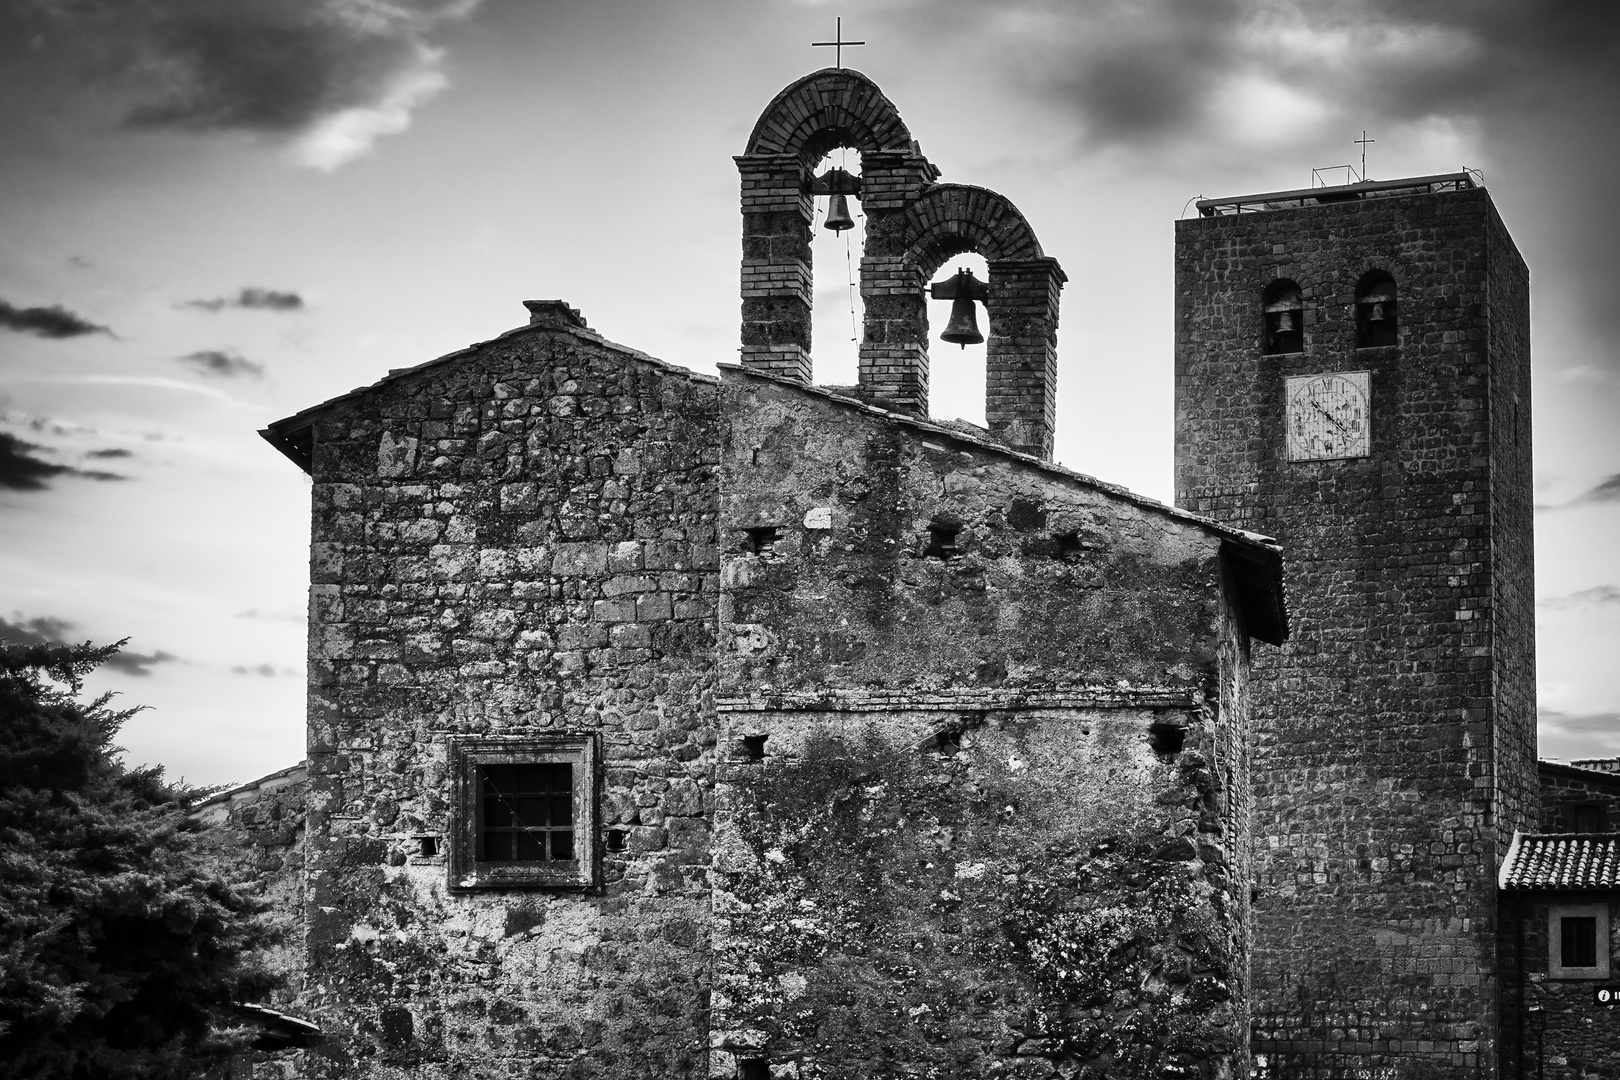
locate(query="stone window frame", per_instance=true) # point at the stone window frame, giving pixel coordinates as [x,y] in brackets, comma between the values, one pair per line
[467,755]
[1555,940]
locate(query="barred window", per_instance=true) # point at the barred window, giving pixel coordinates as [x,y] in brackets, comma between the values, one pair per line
[526,812]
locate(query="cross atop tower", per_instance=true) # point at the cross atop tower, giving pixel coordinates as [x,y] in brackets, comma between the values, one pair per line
[1362,142]
[838,44]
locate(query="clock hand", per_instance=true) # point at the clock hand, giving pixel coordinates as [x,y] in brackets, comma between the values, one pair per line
[1330,417]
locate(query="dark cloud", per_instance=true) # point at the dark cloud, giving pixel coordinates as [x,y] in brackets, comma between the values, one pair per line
[275,616]
[1606,492]
[1598,596]
[1138,71]
[49,631]
[111,452]
[1567,736]
[1143,69]
[268,671]
[134,663]
[47,322]
[227,365]
[278,67]
[22,470]
[251,298]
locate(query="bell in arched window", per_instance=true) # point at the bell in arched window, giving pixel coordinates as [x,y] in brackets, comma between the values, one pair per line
[1377,314]
[839,185]
[838,218]
[962,290]
[963,329]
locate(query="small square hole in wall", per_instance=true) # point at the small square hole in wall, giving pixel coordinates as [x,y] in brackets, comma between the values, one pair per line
[1167,739]
[1067,546]
[753,1069]
[752,747]
[427,847]
[615,839]
[761,539]
[948,743]
[941,542]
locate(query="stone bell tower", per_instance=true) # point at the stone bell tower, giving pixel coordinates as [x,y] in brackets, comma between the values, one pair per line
[1353,378]
[913,224]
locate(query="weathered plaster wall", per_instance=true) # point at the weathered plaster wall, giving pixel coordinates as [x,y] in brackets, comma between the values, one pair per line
[968,843]
[1394,751]
[1057,581]
[517,540]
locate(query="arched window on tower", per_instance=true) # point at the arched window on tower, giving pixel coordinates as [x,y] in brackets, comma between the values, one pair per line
[1375,311]
[838,238]
[1284,312]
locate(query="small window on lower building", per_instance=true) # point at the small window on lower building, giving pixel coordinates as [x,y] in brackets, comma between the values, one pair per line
[526,813]
[1578,941]
[1587,817]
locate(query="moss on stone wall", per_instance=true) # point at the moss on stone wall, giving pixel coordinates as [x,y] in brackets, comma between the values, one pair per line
[893,909]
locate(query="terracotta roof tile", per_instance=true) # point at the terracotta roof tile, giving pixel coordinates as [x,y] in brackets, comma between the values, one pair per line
[1563,861]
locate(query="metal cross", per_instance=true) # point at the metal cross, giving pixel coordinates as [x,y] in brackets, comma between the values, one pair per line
[1363,141]
[838,44]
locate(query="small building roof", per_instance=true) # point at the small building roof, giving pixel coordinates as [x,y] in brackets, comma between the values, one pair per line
[1366,189]
[1561,861]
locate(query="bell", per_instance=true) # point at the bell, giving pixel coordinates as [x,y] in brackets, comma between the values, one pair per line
[1377,314]
[963,329]
[838,218]
[1285,322]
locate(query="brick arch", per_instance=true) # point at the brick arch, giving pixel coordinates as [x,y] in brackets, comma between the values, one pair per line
[949,219]
[826,109]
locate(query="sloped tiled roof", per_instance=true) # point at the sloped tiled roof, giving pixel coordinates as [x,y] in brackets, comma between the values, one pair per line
[1562,861]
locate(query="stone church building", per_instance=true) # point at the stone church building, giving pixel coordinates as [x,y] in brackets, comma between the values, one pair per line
[668,725]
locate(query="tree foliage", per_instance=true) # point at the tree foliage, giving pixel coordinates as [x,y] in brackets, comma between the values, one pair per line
[119,950]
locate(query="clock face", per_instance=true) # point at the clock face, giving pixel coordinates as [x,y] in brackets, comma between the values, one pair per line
[1329,416]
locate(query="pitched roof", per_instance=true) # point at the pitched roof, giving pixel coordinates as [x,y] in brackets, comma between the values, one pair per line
[294,436]
[1562,861]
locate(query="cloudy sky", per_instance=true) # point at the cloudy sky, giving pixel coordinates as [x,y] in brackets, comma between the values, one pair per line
[217,212]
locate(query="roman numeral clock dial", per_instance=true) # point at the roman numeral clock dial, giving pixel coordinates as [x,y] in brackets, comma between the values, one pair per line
[1329,416]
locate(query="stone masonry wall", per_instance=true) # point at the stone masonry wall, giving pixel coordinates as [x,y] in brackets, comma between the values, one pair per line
[1575,1039]
[1563,786]
[516,540]
[1388,771]
[1513,582]
[981,803]
[255,833]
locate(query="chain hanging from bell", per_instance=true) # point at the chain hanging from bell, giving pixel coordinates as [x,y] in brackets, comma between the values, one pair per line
[962,290]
